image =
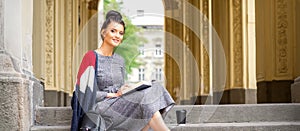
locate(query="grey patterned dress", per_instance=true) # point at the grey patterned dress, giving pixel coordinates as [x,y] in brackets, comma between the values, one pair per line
[130,112]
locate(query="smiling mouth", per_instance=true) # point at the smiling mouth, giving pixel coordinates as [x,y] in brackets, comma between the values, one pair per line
[116,41]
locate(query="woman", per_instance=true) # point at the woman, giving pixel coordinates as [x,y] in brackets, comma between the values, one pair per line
[98,87]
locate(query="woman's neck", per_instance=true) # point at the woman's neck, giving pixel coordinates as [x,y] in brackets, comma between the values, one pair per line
[106,50]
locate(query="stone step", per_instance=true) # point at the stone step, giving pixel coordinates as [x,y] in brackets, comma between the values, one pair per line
[53,116]
[50,128]
[196,114]
[237,113]
[252,126]
[258,126]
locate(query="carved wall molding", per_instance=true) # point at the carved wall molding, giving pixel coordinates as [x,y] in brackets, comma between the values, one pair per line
[69,47]
[206,72]
[49,48]
[281,26]
[205,40]
[237,42]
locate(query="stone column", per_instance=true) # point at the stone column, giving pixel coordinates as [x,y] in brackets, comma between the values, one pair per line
[234,21]
[205,66]
[242,80]
[174,53]
[19,89]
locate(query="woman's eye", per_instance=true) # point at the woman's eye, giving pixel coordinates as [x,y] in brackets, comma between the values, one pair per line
[112,31]
[121,33]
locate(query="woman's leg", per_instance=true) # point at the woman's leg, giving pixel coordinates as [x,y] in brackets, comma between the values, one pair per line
[157,123]
[146,128]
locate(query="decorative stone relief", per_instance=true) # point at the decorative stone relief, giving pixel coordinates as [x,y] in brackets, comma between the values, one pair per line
[237,42]
[205,34]
[49,48]
[69,47]
[171,4]
[281,26]
[206,72]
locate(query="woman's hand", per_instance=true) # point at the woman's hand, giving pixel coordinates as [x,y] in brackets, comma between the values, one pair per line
[119,93]
[111,95]
[124,87]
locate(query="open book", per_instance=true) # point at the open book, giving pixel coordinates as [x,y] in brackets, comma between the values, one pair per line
[136,87]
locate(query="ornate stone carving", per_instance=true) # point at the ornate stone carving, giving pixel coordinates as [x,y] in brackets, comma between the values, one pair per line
[49,48]
[237,42]
[69,47]
[171,4]
[205,34]
[93,5]
[281,26]
[206,72]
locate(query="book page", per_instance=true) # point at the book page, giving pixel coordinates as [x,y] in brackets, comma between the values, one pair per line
[135,87]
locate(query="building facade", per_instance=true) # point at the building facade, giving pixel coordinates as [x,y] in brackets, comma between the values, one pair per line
[151,57]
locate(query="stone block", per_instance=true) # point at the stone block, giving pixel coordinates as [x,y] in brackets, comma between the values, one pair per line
[54,98]
[38,93]
[15,113]
[276,91]
[53,116]
[295,91]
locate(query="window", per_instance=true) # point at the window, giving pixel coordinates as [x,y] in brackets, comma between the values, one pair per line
[141,74]
[140,12]
[158,74]
[158,51]
[142,51]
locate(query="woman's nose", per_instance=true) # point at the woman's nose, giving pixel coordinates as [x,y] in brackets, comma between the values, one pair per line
[118,35]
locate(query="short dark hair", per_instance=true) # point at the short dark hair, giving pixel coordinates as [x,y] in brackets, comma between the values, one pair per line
[112,16]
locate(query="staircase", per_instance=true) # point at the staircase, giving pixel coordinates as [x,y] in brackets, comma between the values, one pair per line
[285,117]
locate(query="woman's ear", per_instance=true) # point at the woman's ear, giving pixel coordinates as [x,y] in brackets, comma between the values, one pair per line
[103,33]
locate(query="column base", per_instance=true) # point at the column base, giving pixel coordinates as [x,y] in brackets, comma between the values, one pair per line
[235,96]
[186,102]
[202,100]
[274,91]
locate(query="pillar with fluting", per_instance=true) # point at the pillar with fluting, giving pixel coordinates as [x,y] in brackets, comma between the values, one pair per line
[174,50]
[234,21]
[20,91]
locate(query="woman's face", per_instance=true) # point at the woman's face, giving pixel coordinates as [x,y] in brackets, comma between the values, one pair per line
[113,34]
